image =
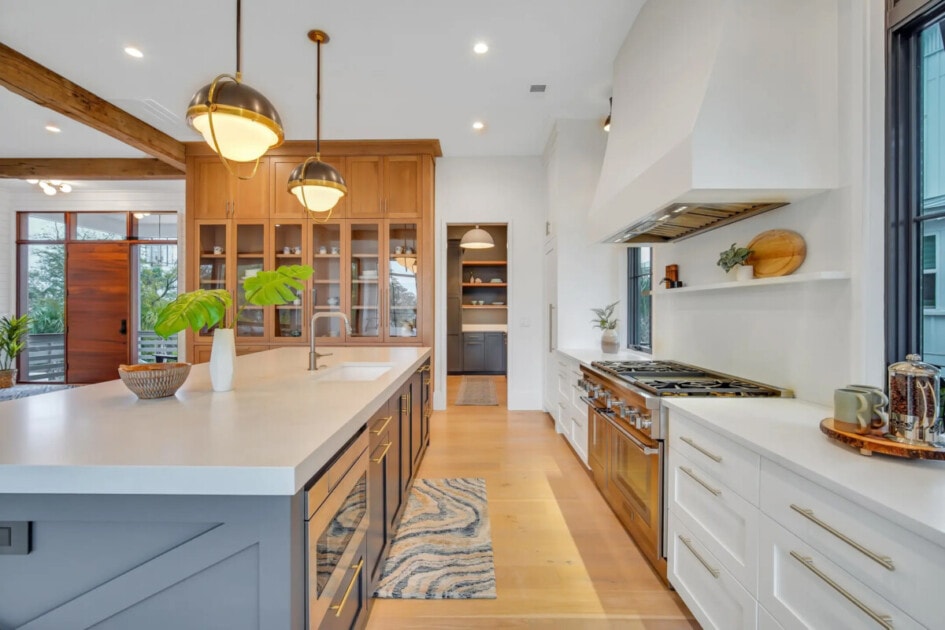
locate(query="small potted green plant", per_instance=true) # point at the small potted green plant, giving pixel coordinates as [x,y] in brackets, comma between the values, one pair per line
[13,332]
[734,258]
[205,308]
[604,320]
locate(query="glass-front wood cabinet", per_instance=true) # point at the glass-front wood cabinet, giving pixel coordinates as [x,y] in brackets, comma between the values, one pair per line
[402,280]
[364,300]
[328,249]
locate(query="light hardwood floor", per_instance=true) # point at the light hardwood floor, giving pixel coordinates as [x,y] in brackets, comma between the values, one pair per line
[562,559]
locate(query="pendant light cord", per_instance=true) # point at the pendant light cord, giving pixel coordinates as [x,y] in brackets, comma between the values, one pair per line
[239,40]
[318,100]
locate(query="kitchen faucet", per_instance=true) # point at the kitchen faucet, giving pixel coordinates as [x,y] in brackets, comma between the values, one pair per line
[312,355]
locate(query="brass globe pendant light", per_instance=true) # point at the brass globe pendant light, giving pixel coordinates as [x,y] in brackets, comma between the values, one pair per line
[238,123]
[317,185]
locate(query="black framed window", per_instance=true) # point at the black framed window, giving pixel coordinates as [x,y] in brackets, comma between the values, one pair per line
[639,312]
[915,294]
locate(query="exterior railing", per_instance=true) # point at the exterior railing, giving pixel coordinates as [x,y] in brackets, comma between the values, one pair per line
[46,354]
[155,349]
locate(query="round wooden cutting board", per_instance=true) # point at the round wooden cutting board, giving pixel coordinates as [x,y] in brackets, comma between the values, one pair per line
[776,253]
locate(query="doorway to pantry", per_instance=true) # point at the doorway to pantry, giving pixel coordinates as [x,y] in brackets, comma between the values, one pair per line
[477,282]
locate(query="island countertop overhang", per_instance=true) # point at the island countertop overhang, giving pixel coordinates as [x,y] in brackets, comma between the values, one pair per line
[273,432]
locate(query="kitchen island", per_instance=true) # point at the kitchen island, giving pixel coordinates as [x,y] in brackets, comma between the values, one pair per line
[183,512]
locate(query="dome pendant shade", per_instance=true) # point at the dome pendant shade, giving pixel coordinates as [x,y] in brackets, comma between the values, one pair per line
[477,239]
[245,123]
[317,185]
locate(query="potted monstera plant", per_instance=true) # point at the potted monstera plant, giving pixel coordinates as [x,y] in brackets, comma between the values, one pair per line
[204,308]
[13,332]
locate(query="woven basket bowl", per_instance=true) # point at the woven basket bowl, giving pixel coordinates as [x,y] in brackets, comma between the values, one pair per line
[154,380]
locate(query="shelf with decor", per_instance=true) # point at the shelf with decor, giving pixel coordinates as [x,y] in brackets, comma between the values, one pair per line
[814,276]
[485,306]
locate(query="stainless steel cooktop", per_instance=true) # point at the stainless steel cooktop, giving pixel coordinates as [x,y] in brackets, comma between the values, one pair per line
[669,378]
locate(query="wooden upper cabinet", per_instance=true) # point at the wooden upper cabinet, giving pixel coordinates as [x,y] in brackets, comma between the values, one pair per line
[220,195]
[285,205]
[365,187]
[402,186]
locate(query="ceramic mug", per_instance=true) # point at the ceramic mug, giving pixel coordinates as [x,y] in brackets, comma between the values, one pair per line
[296,250]
[323,250]
[217,249]
[333,301]
[334,250]
[852,410]
[398,250]
[286,250]
[878,402]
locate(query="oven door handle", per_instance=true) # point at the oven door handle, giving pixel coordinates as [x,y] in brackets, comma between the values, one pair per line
[646,450]
[590,403]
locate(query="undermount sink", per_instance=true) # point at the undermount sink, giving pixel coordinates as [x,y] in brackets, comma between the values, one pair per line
[354,372]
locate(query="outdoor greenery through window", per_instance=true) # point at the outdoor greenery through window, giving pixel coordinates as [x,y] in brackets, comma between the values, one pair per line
[639,313]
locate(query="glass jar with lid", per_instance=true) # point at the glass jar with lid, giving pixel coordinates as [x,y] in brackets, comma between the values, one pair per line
[914,402]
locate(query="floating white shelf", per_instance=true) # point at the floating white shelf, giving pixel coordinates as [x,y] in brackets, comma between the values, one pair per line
[815,276]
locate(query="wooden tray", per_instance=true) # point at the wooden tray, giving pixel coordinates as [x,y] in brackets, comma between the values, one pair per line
[776,253]
[876,443]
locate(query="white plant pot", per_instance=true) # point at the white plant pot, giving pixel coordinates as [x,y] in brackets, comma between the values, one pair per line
[744,272]
[222,359]
[609,341]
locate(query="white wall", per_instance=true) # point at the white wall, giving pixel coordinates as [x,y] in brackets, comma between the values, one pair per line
[7,255]
[498,190]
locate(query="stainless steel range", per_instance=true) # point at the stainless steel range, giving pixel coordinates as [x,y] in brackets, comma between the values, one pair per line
[626,431]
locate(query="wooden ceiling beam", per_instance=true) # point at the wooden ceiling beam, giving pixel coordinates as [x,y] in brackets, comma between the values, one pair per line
[25,77]
[87,168]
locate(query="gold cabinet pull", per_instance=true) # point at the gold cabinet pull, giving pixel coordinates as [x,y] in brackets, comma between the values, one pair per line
[883,620]
[403,404]
[344,600]
[708,567]
[884,561]
[427,381]
[710,455]
[383,426]
[384,454]
[702,483]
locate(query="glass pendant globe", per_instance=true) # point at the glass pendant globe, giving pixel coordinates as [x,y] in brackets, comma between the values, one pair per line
[317,198]
[240,139]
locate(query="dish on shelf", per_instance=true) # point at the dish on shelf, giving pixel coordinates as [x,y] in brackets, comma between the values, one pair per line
[498,303]
[494,280]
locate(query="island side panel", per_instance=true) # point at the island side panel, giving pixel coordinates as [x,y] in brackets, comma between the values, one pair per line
[148,561]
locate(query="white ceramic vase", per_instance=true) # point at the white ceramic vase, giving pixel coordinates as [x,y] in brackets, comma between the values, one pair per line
[222,358]
[744,272]
[609,342]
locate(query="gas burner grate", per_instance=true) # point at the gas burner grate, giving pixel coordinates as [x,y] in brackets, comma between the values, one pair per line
[647,368]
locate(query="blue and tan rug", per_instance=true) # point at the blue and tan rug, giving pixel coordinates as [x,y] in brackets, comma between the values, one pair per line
[442,549]
[22,391]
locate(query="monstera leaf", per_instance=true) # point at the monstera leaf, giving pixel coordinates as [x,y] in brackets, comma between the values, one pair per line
[275,287]
[194,310]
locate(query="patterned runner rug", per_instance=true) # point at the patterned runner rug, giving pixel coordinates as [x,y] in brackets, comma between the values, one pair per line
[442,549]
[476,390]
[22,391]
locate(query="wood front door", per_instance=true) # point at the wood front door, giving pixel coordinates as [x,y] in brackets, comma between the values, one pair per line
[98,311]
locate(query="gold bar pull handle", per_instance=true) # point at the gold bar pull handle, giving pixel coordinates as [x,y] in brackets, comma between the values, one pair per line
[708,567]
[383,426]
[884,561]
[883,620]
[710,455]
[344,600]
[384,454]
[699,481]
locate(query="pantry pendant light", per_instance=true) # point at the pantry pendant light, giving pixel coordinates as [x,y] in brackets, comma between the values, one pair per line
[317,185]
[477,239]
[238,123]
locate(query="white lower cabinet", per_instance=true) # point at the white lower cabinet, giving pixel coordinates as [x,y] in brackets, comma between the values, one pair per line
[801,588]
[766,621]
[713,595]
[570,411]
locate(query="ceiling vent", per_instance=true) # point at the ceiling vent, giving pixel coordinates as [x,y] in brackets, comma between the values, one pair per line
[538,87]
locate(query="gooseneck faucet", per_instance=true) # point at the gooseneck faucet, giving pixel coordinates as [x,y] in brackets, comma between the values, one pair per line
[312,355]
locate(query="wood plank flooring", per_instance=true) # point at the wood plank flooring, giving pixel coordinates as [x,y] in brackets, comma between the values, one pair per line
[562,559]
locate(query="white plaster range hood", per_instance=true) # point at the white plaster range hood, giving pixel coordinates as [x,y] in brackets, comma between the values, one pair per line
[722,109]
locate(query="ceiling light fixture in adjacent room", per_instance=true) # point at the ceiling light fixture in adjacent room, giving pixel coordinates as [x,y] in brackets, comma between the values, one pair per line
[477,238]
[53,129]
[238,122]
[317,185]
[131,51]
[607,120]
[478,125]
[481,48]
[51,187]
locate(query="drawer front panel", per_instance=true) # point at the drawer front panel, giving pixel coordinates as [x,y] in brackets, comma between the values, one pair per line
[712,594]
[579,433]
[723,521]
[889,560]
[732,464]
[801,588]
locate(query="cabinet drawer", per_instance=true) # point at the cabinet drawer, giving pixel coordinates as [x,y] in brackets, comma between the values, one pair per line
[888,559]
[733,465]
[578,434]
[713,595]
[800,587]
[724,522]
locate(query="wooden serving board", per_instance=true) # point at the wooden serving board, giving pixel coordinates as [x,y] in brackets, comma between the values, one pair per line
[876,443]
[776,253]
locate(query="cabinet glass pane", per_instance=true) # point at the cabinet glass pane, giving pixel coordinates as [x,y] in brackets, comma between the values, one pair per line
[365,304]
[287,241]
[211,246]
[249,261]
[402,278]
[326,281]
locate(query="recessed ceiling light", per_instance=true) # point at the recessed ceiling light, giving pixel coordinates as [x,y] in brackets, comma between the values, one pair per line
[53,129]
[479,125]
[131,51]
[481,48]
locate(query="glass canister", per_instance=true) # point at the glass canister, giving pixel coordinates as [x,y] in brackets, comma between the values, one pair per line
[914,402]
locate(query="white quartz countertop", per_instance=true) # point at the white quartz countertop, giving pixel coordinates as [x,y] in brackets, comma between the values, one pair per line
[485,327]
[273,432]
[586,355]
[787,431]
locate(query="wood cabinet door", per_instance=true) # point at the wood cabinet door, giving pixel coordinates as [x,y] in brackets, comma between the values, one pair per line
[402,186]
[365,187]
[251,196]
[212,198]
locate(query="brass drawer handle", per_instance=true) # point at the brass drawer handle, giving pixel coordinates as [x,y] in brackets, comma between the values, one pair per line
[384,454]
[403,404]
[710,455]
[427,381]
[708,567]
[383,426]
[344,600]
[702,483]
[884,561]
[884,620]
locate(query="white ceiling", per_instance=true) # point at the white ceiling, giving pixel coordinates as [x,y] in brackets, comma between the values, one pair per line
[393,69]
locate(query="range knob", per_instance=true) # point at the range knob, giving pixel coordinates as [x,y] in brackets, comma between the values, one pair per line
[618,406]
[643,423]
